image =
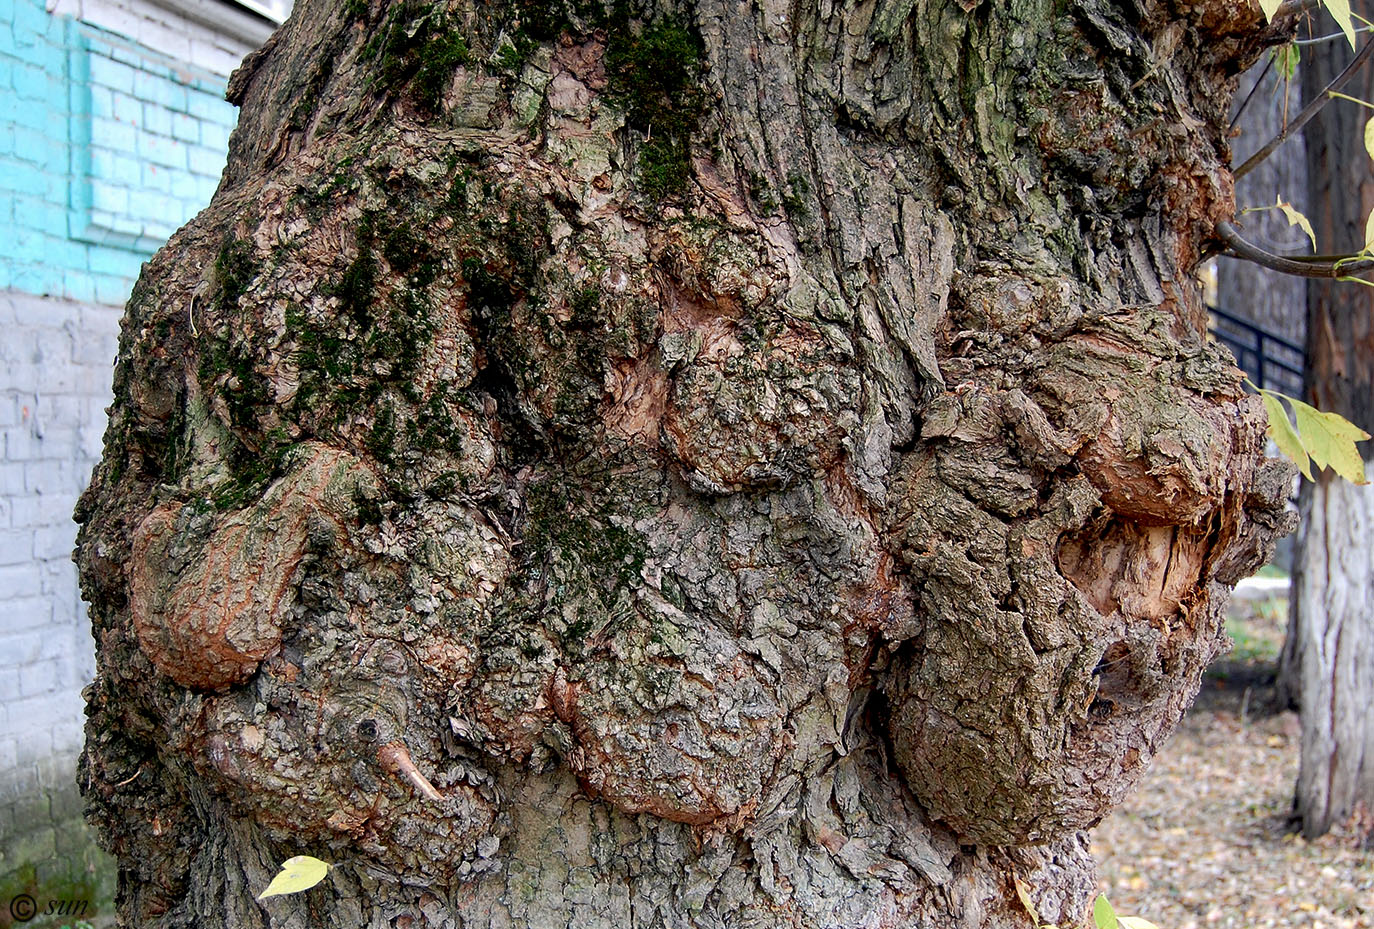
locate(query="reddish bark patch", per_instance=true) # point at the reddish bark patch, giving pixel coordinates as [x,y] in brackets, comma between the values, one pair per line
[209,607]
[637,393]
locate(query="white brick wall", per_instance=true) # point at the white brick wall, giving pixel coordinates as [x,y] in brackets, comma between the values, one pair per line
[211,34]
[56,361]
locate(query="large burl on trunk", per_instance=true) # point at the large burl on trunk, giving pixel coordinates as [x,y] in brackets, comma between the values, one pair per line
[714,464]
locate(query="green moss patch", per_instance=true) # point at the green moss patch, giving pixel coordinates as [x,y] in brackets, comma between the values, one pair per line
[419,46]
[228,357]
[572,541]
[234,270]
[655,76]
[49,854]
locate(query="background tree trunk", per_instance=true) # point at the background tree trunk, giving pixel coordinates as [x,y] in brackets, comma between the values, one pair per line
[1274,301]
[1329,653]
[719,464]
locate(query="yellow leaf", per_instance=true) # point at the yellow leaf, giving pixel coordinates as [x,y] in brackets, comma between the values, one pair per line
[1330,439]
[1369,225]
[1340,12]
[1270,7]
[1104,917]
[297,874]
[1297,219]
[1337,423]
[1369,137]
[1135,922]
[1281,431]
[1023,892]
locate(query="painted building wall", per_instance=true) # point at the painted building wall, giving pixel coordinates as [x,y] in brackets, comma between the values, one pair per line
[113,132]
[106,147]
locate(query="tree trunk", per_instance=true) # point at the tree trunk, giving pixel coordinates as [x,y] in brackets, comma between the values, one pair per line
[707,465]
[1330,657]
[1329,653]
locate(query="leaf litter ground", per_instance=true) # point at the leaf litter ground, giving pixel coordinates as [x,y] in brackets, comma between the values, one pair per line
[1206,839]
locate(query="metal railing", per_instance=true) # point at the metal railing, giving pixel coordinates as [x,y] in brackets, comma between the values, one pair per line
[1269,360]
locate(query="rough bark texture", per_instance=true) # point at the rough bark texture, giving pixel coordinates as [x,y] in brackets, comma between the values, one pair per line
[1329,653]
[711,464]
[1330,657]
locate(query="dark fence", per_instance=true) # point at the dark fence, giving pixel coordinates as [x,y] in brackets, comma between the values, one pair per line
[1269,360]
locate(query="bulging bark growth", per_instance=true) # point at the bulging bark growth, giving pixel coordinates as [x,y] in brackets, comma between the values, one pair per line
[688,464]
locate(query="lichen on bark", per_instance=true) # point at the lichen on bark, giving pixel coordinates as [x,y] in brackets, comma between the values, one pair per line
[821,539]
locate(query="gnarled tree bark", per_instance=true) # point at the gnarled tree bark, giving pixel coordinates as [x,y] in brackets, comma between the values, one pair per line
[699,464]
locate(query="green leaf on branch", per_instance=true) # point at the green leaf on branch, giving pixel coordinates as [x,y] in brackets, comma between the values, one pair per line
[1104,916]
[299,873]
[1340,12]
[1369,137]
[1328,439]
[1286,59]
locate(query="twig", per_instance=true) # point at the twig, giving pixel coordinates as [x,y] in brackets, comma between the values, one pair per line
[1328,38]
[1317,259]
[1349,99]
[1307,112]
[1295,8]
[395,759]
[1239,247]
[130,778]
[191,310]
[1256,86]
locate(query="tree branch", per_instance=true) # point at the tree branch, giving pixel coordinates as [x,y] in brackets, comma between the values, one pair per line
[1331,37]
[1295,8]
[1307,112]
[1239,247]
[1251,95]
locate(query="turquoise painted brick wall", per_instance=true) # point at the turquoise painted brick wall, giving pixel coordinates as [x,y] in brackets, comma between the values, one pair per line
[106,148]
